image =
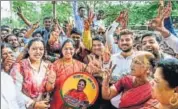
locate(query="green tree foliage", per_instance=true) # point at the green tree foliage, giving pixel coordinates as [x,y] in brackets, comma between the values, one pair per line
[63,10]
[139,12]
[29,10]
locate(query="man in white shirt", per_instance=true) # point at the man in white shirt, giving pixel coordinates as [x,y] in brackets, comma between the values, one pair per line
[10,97]
[123,59]
[150,42]
[98,20]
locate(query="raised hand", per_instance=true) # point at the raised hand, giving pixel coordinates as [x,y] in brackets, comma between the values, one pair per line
[108,73]
[123,19]
[8,62]
[95,65]
[36,25]
[51,76]
[89,20]
[107,53]
[55,21]
[19,11]
[161,6]
[69,27]
[158,22]
[53,38]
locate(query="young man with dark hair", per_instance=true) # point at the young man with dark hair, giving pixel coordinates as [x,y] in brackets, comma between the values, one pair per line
[4,33]
[13,41]
[169,39]
[98,47]
[150,42]
[15,31]
[80,51]
[45,31]
[124,58]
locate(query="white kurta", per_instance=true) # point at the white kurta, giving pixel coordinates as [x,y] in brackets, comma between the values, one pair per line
[10,97]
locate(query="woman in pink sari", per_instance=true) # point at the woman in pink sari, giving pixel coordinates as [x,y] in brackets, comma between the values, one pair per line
[135,88]
[32,76]
[65,67]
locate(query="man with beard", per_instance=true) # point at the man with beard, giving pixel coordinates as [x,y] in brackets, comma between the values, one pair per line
[80,51]
[123,59]
[150,42]
[13,41]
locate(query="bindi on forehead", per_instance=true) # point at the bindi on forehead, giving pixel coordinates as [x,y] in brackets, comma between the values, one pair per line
[68,46]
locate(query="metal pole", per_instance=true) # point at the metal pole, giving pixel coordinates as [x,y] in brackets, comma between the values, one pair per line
[54,9]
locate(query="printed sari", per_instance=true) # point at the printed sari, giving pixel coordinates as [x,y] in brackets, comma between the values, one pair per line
[62,72]
[132,96]
[31,82]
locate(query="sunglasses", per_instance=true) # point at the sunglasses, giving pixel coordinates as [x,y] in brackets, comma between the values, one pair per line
[75,37]
[47,21]
[101,33]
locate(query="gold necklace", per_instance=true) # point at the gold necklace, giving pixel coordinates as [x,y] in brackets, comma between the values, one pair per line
[65,67]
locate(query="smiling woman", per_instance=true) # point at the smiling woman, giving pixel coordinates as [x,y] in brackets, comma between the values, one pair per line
[130,88]
[78,95]
[32,75]
[66,66]
[165,86]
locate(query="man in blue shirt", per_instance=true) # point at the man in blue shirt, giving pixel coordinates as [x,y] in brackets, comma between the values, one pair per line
[45,31]
[79,16]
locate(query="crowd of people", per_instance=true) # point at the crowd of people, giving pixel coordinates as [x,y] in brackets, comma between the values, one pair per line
[131,72]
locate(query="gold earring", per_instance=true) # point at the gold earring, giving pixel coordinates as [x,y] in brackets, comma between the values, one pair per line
[173,101]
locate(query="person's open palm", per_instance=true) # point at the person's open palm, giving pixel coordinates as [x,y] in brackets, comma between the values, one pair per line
[123,19]
[19,11]
[94,64]
[108,72]
[107,53]
[158,22]
[89,20]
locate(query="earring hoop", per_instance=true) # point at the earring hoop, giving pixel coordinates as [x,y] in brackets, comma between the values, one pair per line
[173,101]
